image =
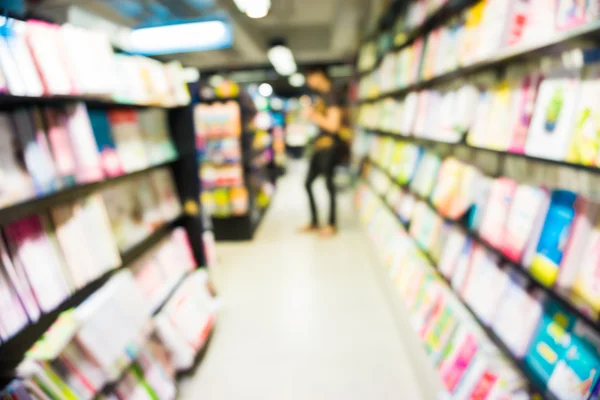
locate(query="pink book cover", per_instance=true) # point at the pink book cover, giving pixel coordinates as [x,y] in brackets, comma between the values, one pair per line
[496,211]
[180,237]
[18,278]
[43,40]
[27,243]
[455,370]
[525,103]
[527,203]
[62,151]
[573,256]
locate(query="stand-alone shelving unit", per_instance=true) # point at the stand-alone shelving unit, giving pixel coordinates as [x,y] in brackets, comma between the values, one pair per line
[255,166]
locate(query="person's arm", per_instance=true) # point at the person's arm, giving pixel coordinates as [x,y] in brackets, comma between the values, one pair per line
[330,122]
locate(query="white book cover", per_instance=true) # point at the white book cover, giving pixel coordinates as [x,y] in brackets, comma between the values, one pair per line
[44,42]
[10,69]
[17,44]
[551,125]
[18,278]
[13,318]
[27,242]
[83,142]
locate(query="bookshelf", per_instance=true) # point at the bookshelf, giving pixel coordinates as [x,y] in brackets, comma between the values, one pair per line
[101,147]
[448,84]
[235,217]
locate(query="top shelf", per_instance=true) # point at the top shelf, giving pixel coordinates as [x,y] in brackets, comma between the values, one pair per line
[447,11]
[500,58]
[9,101]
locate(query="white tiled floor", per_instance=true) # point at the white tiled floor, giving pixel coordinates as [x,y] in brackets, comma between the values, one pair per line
[303,318]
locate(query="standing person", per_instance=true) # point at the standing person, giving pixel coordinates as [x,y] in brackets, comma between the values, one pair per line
[325,148]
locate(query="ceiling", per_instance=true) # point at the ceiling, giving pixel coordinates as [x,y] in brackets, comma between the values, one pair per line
[317,31]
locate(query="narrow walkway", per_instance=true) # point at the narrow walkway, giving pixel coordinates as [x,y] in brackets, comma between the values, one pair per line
[303,318]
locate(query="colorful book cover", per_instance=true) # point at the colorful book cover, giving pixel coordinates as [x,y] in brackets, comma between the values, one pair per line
[111,164]
[561,356]
[27,241]
[58,137]
[17,277]
[15,182]
[518,314]
[83,143]
[526,205]
[523,103]
[497,210]
[36,150]
[584,147]
[587,283]
[554,237]
[551,125]
[126,132]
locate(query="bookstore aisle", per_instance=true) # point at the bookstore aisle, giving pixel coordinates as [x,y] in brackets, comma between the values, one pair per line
[304,317]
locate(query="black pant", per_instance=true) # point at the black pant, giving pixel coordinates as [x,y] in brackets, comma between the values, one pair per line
[322,163]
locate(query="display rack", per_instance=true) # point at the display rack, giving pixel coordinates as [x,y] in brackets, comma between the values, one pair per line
[256,165]
[389,78]
[181,127]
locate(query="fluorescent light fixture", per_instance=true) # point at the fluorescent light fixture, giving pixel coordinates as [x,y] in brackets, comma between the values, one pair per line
[282,59]
[297,80]
[181,38]
[265,90]
[190,74]
[254,8]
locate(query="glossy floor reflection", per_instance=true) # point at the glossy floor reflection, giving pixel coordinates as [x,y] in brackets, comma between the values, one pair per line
[303,317]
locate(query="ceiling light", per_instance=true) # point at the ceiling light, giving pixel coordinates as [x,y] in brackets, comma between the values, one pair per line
[297,80]
[181,38]
[282,59]
[254,8]
[265,90]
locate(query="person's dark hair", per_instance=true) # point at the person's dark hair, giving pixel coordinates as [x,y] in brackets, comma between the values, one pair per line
[316,69]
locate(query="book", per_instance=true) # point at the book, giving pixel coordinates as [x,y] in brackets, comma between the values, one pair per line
[83,143]
[550,128]
[55,121]
[36,150]
[15,184]
[111,163]
[29,246]
[126,132]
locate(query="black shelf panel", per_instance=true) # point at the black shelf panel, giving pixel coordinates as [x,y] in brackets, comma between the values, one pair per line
[503,57]
[39,204]
[13,351]
[562,298]
[518,363]
[463,143]
[9,101]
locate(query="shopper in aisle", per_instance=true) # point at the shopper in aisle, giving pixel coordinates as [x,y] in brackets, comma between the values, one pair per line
[325,149]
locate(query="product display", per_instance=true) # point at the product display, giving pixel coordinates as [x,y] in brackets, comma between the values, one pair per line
[40,58]
[526,236]
[234,157]
[94,241]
